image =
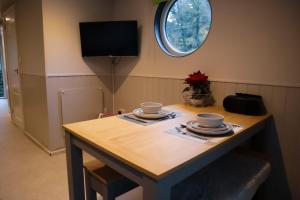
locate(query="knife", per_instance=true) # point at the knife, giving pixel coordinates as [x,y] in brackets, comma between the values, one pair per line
[190,134]
[133,118]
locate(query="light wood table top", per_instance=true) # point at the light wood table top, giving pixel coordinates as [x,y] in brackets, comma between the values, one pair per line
[151,149]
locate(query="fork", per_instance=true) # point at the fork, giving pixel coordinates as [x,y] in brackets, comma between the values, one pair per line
[190,134]
[172,115]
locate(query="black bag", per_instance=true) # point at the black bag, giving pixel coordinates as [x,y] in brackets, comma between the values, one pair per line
[247,104]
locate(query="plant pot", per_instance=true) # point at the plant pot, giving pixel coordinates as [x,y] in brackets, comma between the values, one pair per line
[197,99]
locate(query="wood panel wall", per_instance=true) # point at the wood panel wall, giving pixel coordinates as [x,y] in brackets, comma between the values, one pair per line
[282,102]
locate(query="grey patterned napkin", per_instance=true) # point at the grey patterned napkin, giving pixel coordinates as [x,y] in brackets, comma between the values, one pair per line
[132,118]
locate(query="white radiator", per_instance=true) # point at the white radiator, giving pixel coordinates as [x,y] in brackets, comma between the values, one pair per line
[80,104]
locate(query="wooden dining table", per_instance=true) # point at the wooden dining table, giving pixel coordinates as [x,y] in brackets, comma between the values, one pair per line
[152,156]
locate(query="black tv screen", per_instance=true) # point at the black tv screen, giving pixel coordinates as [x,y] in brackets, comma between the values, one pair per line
[113,38]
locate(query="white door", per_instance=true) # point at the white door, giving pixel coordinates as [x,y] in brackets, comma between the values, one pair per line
[12,67]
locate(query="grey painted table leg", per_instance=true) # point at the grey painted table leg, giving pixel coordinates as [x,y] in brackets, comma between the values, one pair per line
[155,191]
[75,170]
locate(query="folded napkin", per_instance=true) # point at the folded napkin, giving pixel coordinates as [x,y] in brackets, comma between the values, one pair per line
[132,118]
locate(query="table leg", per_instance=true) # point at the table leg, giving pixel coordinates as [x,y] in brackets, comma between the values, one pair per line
[153,190]
[75,170]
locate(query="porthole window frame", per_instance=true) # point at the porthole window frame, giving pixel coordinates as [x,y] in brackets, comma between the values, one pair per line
[160,19]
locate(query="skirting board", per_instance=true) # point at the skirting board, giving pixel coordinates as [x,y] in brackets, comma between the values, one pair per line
[41,146]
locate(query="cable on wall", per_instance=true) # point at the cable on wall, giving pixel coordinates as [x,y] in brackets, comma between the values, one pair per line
[114,63]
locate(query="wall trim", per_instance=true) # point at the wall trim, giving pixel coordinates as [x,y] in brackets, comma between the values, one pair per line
[70,74]
[64,74]
[280,84]
[18,121]
[41,146]
[32,74]
[75,75]
[291,85]
[61,150]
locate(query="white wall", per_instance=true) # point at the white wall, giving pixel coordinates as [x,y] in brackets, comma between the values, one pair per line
[50,60]
[29,26]
[4,4]
[250,41]
[61,35]
[30,37]
[64,65]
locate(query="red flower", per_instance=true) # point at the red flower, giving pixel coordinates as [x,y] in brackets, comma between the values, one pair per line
[196,78]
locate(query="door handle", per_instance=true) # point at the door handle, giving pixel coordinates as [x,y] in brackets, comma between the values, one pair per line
[17,71]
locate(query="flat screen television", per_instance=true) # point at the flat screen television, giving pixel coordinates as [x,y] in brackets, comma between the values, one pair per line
[110,38]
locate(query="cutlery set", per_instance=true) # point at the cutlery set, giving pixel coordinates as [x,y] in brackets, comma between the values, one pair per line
[171,115]
[179,130]
[205,124]
[183,129]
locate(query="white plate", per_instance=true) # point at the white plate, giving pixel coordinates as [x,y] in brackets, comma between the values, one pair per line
[198,125]
[192,124]
[140,113]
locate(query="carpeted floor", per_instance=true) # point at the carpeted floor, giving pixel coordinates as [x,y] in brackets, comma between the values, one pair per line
[28,173]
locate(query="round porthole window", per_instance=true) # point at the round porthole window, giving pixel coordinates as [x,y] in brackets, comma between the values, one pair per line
[181,26]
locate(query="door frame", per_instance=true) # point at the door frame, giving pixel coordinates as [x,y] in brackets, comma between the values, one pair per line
[9,91]
[3,63]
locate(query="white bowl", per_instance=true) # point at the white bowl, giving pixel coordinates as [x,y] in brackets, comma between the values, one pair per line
[210,119]
[151,107]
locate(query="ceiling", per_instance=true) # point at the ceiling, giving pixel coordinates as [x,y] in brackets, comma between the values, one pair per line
[5,3]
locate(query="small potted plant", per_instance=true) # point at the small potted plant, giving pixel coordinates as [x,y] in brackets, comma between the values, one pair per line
[198,92]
